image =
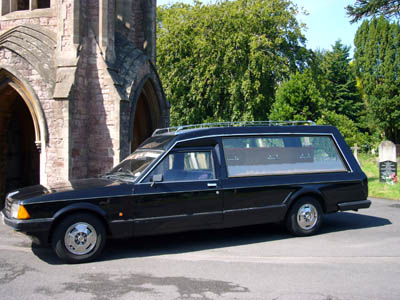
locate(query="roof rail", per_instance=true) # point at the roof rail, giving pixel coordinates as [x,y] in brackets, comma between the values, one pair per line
[177,129]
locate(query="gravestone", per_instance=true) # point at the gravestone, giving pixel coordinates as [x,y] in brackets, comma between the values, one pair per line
[355,152]
[387,161]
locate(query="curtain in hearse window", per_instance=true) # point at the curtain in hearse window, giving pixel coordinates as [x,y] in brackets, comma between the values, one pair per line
[275,155]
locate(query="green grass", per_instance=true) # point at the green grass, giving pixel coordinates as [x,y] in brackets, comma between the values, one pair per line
[369,164]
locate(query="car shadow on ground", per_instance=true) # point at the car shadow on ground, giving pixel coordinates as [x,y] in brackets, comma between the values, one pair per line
[343,221]
[214,239]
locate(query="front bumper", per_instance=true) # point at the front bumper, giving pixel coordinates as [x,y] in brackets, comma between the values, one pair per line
[35,227]
[354,205]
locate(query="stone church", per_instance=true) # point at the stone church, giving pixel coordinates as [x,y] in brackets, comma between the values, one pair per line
[79,88]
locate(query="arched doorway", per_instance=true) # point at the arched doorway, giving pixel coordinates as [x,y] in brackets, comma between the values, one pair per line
[147,115]
[19,163]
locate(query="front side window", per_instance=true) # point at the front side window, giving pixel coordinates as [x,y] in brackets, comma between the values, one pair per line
[275,155]
[185,166]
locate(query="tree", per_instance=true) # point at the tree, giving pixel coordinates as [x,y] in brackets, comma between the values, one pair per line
[222,62]
[298,99]
[339,85]
[377,63]
[368,8]
[326,93]
[347,127]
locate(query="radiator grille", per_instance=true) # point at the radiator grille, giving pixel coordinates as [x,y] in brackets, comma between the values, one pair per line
[8,206]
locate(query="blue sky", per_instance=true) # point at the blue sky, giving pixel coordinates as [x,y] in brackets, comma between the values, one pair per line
[326,22]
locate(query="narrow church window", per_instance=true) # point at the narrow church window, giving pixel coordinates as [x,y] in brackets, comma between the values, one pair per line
[8,6]
[23,5]
[43,3]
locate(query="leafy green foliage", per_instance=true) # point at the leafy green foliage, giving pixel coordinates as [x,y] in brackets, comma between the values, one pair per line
[326,93]
[377,63]
[368,8]
[339,85]
[246,60]
[297,99]
[222,62]
[346,126]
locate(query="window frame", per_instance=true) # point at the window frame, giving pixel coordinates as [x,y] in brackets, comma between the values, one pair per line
[11,6]
[339,151]
[147,180]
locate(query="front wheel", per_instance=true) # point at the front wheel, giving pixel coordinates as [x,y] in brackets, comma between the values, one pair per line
[304,218]
[79,238]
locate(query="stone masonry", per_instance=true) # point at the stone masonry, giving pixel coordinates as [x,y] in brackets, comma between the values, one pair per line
[80,67]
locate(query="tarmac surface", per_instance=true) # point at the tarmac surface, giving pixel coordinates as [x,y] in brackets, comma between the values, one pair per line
[356,255]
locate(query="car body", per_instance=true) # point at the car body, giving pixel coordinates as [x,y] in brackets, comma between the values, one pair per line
[195,178]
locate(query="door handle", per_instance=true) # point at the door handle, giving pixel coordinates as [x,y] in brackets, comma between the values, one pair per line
[211,184]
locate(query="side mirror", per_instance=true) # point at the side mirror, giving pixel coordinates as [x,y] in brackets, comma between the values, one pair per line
[156,178]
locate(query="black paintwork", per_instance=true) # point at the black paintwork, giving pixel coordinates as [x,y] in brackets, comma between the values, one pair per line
[140,208]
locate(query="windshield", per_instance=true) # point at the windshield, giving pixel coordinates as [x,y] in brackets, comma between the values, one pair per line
[132,166]
[158,142]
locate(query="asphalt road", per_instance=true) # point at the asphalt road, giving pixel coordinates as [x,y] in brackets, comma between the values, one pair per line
[356,256]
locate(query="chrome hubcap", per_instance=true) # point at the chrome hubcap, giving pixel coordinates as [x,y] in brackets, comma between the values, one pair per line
[80,238]
[307,216]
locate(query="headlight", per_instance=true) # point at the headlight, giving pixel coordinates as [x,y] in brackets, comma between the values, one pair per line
[19,212]
[14,210]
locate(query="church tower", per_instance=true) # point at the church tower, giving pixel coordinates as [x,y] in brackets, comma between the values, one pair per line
[79,88]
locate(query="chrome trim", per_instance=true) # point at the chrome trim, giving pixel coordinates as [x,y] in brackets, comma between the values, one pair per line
[176,192]
[307,216]
[121,221]
[342,154]
[9,195]
[287,197]
[177,216]
[9,201]
[80,238]
[286,174]
[177,129]
[254,208]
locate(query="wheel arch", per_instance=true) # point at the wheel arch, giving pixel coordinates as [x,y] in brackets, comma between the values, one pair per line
[306,192]
[79,208]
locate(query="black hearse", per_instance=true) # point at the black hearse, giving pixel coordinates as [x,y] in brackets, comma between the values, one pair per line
[198,177]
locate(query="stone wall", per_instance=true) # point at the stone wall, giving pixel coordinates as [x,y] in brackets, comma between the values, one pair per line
[44,17]
[54,149]
[86,71]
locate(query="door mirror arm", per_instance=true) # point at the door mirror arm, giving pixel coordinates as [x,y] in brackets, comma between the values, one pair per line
[156,178]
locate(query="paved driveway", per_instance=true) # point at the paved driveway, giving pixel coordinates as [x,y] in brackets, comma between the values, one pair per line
[356,256]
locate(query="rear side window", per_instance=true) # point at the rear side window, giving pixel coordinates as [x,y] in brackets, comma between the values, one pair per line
[275,155]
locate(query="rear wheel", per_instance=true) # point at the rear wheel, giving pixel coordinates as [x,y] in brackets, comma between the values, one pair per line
[79,238]
[304,218]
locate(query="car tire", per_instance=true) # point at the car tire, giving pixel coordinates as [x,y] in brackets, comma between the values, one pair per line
[79,238]
[304,217]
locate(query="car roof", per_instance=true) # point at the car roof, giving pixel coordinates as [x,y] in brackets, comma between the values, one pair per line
[191,133]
